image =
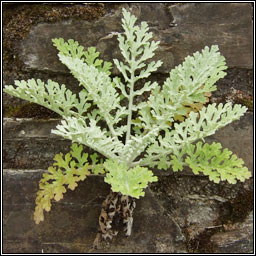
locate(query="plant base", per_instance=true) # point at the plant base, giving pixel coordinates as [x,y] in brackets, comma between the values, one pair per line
[116,209]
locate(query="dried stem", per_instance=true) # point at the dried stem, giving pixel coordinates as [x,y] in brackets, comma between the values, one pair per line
[115,207]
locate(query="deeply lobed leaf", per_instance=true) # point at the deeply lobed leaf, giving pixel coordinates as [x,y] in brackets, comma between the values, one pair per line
[196,126]
[50,95]
[129,182]
[65,173]
[217,163]
[186,89]
[72,49]
[94,116]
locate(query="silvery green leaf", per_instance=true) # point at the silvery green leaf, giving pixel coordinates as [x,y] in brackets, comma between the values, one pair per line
[134,124]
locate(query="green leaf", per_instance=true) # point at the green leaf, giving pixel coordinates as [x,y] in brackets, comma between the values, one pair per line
[176,164]
[90,135]
[97,164]
[65,173]
[58,191]
[163,163]
[76,152]
[83,172]
[217,163]
[196,126]
[72,49]
[91,55]
[100,87]
[50,95]
[133,124]
[129,182]
[62,162]
[189,84]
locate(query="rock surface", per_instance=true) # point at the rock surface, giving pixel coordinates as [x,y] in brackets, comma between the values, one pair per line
[181,29]
[71,226]
[174,213]
[237,237]
[28,143]
[204,211]
[182,213]
[168,219]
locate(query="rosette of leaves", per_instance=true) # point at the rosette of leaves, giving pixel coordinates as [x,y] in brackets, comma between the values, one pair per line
[133,137]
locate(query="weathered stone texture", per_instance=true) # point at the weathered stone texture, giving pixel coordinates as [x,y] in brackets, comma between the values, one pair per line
[71,226]
[29,143]
[181,29]
[179,208]
[170,215]
[237,238]
[175,211]
[228,25]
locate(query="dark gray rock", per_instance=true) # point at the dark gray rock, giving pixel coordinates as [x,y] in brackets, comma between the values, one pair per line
[228,25]
[199,205]
[174,211]
[182,205]
[177,210]
[71,225]
[182,30]
[28,143]
[237,238]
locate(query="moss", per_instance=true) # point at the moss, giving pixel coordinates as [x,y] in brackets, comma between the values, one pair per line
[235,87]
[235,211]
[248,102]
[29,110]
[19,18]
[238,208]
[236,97]
[201,243]
[17,22]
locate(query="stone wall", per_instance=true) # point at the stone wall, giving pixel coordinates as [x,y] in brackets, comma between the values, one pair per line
[181,213]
